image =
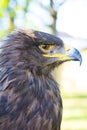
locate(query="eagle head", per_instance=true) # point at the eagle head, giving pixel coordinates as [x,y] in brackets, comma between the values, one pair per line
[36,51]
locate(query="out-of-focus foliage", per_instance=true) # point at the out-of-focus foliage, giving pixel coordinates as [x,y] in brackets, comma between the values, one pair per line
[74,111]
[28,14]
[10,10]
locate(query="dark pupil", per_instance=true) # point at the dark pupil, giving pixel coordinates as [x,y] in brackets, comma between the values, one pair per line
[45,47]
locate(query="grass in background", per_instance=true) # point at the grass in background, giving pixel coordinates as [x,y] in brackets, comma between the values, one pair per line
[74,112]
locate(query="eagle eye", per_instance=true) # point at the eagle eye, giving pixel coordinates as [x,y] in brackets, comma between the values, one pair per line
[46,47]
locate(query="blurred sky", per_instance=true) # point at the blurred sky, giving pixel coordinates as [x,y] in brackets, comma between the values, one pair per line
[73,18]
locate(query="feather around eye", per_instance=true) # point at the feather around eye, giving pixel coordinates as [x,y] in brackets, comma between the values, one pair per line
[46,47]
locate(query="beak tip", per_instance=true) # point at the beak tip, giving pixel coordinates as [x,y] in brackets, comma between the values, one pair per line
[74,54]
[80,61]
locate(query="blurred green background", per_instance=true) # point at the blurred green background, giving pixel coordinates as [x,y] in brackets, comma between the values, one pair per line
[66,19]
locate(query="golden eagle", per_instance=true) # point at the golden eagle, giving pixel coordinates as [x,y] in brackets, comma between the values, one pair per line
[29,96]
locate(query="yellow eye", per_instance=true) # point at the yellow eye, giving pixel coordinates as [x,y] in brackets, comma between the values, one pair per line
[46,48]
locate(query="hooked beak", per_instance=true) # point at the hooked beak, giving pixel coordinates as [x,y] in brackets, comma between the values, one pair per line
[72,54]
[75,55]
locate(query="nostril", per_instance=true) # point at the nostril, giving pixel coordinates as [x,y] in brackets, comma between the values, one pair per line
[51,52]
[68,50]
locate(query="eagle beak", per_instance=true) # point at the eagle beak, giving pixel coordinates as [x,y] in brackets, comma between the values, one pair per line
[75,55]
[72,54]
